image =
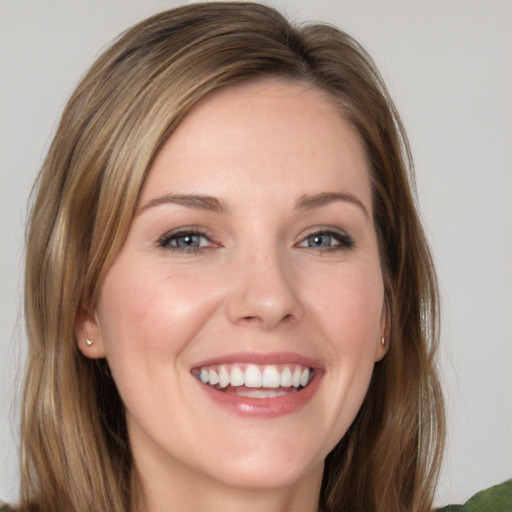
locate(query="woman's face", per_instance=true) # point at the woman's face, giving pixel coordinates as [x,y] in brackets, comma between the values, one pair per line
[243,316]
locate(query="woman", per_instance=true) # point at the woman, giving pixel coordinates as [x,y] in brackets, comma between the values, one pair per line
[228,287]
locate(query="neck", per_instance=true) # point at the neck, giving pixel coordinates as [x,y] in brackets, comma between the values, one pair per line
[157,492]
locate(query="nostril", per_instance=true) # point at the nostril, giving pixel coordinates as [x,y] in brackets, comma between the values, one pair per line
[254,319]
[287,318]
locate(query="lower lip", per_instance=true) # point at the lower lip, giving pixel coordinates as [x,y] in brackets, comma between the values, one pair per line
[264,407]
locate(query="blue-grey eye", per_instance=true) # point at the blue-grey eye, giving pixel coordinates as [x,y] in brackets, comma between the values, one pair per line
[328,240]
[319,240]
[184,241]
[187,240]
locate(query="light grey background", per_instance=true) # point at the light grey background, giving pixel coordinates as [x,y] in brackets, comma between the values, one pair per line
[448,65]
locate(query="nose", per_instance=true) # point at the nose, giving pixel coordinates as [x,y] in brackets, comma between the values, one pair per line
[265,292]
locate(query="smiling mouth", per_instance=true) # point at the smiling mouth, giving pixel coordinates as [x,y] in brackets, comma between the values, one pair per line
[256,381]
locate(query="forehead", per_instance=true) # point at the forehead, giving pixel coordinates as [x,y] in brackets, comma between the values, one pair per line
[271,133]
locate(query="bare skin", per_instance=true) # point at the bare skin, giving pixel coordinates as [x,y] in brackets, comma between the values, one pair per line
[253,236]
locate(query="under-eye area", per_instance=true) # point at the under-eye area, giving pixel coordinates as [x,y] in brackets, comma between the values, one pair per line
[256,381]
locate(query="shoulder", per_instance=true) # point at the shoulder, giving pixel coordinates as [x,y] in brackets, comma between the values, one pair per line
[494,499]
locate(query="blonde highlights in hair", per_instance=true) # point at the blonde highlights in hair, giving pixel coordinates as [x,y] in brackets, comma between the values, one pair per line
[75,450]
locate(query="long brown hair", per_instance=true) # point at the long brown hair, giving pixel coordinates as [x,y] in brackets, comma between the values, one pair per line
[75,450]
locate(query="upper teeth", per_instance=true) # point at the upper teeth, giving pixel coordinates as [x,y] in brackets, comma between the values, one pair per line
[253,376]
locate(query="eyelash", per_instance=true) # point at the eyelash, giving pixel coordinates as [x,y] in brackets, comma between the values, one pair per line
[166,240]
[343,241]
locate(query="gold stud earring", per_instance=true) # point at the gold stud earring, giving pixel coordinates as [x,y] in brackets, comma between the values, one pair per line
[383,341]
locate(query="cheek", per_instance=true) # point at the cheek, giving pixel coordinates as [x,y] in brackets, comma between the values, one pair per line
[148,318]
[350,306]
[345,305]
[151,311]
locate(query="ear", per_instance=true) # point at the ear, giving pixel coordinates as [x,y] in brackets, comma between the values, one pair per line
[88,334]
[382,343]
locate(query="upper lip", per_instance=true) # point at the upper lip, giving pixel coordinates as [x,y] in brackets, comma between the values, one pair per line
[260,359]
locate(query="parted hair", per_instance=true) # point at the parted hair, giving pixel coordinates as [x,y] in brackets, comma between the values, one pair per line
[75,454]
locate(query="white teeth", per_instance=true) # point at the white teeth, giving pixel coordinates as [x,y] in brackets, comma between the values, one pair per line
[286,378]
[271,377]
[297,373]
[252,376]
[223,377]
[304,379]
[237,376]
[213,378]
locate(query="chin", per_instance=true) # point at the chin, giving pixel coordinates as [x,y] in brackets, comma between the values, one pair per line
[265,475]
[264,465]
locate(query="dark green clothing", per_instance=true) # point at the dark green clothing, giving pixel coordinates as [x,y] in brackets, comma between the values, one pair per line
[494,499]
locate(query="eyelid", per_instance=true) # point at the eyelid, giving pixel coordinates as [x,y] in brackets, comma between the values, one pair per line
[344,240]
[164,241]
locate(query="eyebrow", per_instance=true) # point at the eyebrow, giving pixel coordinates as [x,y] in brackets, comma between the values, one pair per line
[210,203]
[309,202]
[202,202]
